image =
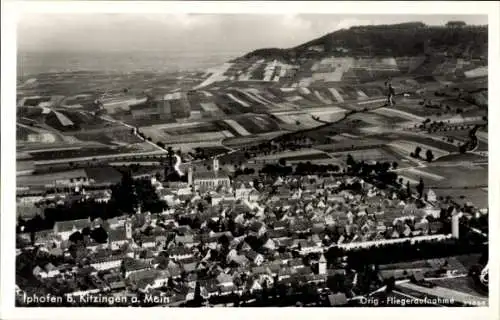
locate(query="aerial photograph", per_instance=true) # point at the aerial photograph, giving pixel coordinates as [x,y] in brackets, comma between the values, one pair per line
[251,160]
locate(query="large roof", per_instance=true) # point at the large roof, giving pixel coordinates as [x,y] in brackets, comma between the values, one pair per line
[209,175]
[63,226]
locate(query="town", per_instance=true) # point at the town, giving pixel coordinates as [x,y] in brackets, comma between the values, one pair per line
[315,239]
[348,171]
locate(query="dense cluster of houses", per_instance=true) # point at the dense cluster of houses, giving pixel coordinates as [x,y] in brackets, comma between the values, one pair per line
[231,238]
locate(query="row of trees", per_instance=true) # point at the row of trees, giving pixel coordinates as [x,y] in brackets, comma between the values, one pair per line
[429,156]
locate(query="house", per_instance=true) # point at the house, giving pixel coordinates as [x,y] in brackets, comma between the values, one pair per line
[224,280]
[301,226]
[147,241]
[64,229]
[179,252]
[242,190]
[307,246]
[269,245]
[105,262]
[253,285]
[117,238]
[50,270]
[435,227]
[189,265]
[240,260]
[337,299]
[185,240]
[254,257]
[257,228]
[116,222]
[295,263]
[276,234]
[115,281]
[130,266]
[254,196]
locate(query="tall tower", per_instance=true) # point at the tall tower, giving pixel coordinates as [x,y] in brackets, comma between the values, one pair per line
[216,164]
[455,226]
[190,176]
[128,228]
[322,265]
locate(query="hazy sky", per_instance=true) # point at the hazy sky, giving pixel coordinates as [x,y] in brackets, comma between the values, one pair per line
[201,32]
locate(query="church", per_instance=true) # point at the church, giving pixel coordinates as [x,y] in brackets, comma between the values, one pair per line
[209,180]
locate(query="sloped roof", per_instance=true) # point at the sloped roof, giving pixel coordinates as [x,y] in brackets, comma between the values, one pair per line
[337,299]
[118,234]
[65,226]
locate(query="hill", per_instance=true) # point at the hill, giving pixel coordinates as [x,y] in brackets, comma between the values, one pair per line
[405,39]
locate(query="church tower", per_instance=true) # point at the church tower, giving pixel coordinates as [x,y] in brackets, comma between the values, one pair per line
[128,228]
[322,265]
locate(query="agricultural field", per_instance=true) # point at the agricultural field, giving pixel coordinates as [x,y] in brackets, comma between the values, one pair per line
[297,121]
[347,144]
[377,118]
[50,178]
[240,142]
[303,154]
[463,284]
[460,175]
[369,154]
[119,136]
[409,146]
[88,152]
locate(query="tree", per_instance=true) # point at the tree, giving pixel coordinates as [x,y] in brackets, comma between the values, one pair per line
[394,165]
[99,235]
[350,160]
[429,156]
[160,144]
[76,237]
[408,189]
[282,161]
[420,188]
[417,152]
[197,294]
[462,148]
[390,284]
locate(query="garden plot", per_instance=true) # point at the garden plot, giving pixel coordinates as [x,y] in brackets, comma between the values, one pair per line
[294,98]
[210,107]
[336,94]
[321,98]
[241,102]
[258,94]
[237,127]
